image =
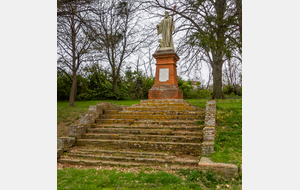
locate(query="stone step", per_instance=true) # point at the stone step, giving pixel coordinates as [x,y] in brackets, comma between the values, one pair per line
[122,152]
[194,127]
[153,121]
[167,122]
[112,111]
[180,148]
[143,131]
[156,138]
[99,162]
[162,108]
[155,104]
[152,161]
[115,121]
[155,117]
[163,101]
[161,112]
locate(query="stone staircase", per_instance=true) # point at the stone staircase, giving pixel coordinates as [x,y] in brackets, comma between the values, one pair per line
[152,133]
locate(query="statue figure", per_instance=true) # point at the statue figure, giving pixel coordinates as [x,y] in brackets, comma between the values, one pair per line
[161,43]
[164,28]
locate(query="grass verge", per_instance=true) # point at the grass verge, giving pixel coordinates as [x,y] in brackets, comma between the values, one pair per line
[72,178]
[228,139]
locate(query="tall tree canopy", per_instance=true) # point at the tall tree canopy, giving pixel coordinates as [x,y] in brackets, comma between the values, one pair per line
[212,33]
[117,33]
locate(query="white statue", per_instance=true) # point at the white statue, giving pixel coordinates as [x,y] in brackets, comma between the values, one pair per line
[164,28]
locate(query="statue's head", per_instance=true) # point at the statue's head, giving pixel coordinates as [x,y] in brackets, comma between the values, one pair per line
[166,14]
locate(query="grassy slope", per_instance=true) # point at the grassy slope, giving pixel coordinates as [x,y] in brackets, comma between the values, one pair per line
[72,178]
[228,141]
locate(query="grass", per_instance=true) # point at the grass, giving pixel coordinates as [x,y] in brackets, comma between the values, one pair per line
[228,140]
[70,115]
[72,178]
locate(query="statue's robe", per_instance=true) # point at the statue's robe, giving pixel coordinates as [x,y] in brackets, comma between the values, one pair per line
[164,28]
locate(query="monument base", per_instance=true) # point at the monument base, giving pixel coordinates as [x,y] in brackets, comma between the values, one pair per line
[165,91]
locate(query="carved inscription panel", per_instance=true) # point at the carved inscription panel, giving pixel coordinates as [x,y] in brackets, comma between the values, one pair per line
[163,75]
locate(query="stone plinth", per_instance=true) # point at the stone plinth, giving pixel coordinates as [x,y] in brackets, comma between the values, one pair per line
[166,83]
[65,143]
[229,170]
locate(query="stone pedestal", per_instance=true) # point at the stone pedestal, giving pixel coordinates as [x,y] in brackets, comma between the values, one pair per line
[166,84]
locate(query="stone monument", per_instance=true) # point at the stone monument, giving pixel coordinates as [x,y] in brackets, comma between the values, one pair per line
[166,84]
[164,28]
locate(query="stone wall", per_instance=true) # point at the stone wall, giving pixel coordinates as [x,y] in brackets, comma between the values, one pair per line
[87,119]
[85,122]
[209,130]
[65,143]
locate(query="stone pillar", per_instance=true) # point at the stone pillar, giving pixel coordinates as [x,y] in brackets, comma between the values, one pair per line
[209,130]
[166,83]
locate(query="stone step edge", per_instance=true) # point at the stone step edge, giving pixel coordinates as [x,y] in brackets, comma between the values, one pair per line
[99,125]
[140,113]
[125,152]
[142,131]
[156,111]
[134,159]
[150,142]
[161,111]
[152,121]
[144,120]
[165,136]
[164,106]
[100,162]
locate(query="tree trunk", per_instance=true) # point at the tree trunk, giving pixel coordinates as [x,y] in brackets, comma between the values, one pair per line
[73,91]
[217,82]
[239,11]
[115,85]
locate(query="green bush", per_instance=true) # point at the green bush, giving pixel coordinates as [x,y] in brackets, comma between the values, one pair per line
[95,83]
[189,92]
[64,85]
[185,87]
[232,90]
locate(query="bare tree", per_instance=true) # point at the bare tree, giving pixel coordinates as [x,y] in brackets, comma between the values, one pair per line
[117,33]
[212,33]
[72,41]
[232,74]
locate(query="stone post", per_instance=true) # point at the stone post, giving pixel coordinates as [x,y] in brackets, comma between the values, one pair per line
[209,130]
